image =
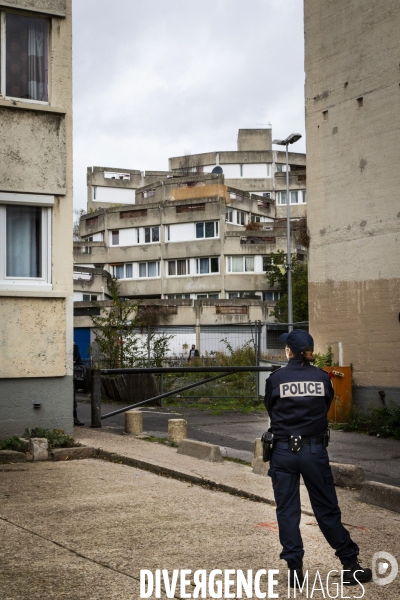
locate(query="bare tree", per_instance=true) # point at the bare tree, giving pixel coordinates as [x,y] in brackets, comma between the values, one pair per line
[77,217]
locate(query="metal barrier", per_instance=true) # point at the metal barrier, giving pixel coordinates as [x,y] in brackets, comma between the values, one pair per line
[97,417]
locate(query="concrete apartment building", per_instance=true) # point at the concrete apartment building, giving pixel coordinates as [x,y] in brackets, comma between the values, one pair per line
[352,60]
[36,292]
[204,229]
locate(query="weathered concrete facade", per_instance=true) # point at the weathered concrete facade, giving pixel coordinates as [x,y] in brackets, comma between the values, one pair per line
[195,219]
[36,211]
[352,54]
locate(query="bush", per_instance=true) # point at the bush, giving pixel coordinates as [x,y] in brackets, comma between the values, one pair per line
[56,437]
[383,421]
[12,443]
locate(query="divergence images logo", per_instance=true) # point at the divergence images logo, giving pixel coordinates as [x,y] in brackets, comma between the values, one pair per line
[380,566]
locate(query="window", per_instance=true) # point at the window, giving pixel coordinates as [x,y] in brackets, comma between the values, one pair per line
[255,219]
[243,295]
[207,265]
[122,271]
[89,297]
[167,233]
[207,230]
[295,197]
[178,296]
[271,296]
[149,269]
[281,168]
[24,57]
[240,264]
[199,296]
[179,267]
[240,217]
[229,215]
[151,234]
[149,193]
[115,238]
[25,243]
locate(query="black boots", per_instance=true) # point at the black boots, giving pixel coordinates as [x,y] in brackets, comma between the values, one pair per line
[296,577]
[354,574]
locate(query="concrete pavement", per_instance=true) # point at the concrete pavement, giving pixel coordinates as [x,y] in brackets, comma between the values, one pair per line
[235,434]
[84,529]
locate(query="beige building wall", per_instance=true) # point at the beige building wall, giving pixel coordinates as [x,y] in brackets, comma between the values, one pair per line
[352,94]
[36,169]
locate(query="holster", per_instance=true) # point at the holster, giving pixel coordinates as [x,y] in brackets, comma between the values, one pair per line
[267,440]
[326,436]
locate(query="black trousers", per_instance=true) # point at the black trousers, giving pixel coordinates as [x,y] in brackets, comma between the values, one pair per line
[312,463]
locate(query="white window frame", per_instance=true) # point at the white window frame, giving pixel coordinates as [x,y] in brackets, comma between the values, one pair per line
[147,269]
[241,213]
[209,266]
[3,34]
[175,260]
[27,283]
[229,215]
[216,230]
[150,228]
[300,197]
[111,237]
[229,264]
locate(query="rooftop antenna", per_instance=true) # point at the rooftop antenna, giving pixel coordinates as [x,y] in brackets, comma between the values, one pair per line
[269,125]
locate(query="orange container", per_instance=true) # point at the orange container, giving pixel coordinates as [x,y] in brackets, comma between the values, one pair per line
[342,402]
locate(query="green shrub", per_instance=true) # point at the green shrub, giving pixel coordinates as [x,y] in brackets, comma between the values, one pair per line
[12,443]
[57,437]
[383,421]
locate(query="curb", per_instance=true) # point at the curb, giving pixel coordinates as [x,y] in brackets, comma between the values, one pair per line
[382,495]
[166,472]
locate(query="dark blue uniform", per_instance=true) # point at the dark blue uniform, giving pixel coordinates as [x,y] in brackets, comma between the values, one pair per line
[297,398]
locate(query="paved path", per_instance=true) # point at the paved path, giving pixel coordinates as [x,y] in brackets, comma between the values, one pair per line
[236,432]
[82,530]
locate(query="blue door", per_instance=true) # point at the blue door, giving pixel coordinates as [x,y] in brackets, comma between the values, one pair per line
[82,339]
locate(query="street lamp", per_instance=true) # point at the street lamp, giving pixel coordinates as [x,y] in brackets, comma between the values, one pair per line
[291,139]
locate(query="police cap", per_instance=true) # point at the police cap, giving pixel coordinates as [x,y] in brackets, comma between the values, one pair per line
[297,340]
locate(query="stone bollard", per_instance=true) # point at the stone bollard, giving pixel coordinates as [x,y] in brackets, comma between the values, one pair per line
[258,450]
[259,466]
[134,422]
[39,448]
[177,430]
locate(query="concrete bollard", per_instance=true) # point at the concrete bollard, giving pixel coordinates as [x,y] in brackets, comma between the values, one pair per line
[39,448]
[177,430]
[258,450]
[134,422]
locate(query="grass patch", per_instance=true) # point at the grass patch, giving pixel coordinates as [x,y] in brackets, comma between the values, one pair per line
[157,440]
[383,421]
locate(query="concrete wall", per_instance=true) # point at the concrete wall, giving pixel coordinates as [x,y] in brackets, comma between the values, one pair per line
[352,54]
[37,326]
[55,395]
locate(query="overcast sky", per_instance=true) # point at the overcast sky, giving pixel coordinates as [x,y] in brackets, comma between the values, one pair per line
[158,78]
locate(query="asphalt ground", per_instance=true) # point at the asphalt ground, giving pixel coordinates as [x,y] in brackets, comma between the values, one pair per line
[83,530]
[235,433]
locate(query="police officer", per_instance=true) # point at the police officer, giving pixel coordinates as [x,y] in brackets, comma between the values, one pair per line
[297,398]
